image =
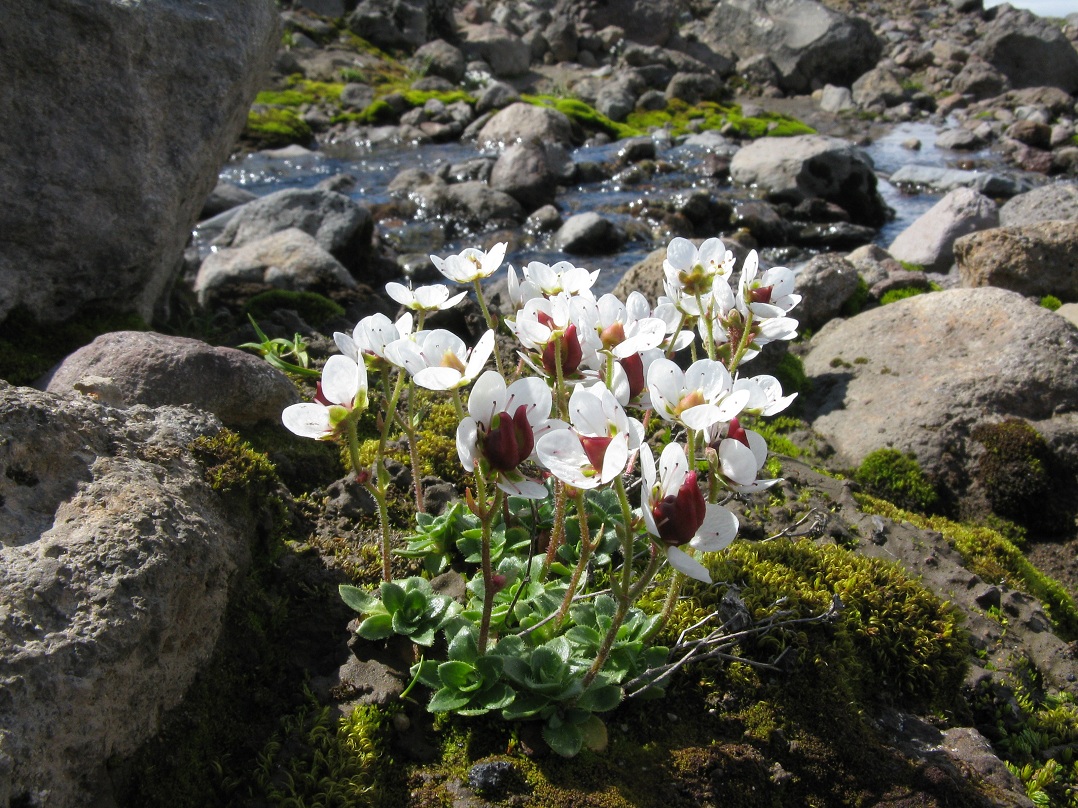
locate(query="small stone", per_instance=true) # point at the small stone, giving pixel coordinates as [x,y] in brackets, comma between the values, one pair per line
[492,778]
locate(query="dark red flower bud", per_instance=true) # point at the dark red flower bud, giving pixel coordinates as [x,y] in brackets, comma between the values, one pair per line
[595,449]
[321,399]
[737,432]
[679,516]
[567,345]
[761,294]
[634,372]
[510,439]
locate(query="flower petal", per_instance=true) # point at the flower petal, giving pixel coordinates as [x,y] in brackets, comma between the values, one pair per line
[308,420]
[687,565]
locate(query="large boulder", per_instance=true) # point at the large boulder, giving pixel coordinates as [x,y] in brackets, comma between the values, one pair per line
[403,24]
[1036,259]
[809,44]
[500,48]
[116,561]
[929,240]
[117,119]
[125,368]
[648,22]
[794,169]
[920,374]
[1029,50]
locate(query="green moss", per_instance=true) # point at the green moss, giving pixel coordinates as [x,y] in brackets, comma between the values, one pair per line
[774,431]
[28,349]
[856,302]
[991,556]
[680,118]
[790,372]
[897,477]
[894,295]
[1051,302]
[314,308]
[587,116]
[418,98]
[1023,480]
[273,127]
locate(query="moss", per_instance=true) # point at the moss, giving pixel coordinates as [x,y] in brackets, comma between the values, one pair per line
[1022,478]
[314,308]
[29,349]
[855,303]
[1051,302]
[418,98]
[587,116]
[894,295]
[790,372]
[680,117]
[273,127]
[991,556]
[774,431]
[897,477]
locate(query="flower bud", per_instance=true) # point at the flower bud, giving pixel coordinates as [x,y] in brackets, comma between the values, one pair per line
[634,371]
[595,449]
[565,346]
[509,441]
[679,516]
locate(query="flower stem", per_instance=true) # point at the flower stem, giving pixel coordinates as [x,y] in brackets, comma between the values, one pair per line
[489,509]
[490,324]
[586,549]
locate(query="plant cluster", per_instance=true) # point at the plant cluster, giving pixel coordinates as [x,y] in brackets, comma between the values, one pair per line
[556,547]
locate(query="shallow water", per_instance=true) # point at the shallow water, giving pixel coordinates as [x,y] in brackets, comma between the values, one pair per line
[374,169]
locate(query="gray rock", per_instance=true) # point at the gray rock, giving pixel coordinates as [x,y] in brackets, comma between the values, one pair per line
[1034,259]
[873,263]
[879,87]
[356,96]
[116,561]
[142,367]
[340,226]
[520,120]
[919,374]
[809,44]
[825,283]
[979,79]
[404,24]
[224,196]
[439,58]
[117,119]
[588,234]
[836,99]
[288,259]
[496,95]
[617,96]
[692,88]
[793,169]
[648,22]
[1029,50]
[960,140]
[929,240]
[947,179]
[503,50]
[758,69]
[474,205]
[524,172]
[561,37]
[334,9]
[1058,200]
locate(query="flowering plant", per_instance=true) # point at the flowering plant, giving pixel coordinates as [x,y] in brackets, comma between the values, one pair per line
[556,549]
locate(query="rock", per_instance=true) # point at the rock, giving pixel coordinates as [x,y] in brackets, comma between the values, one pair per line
[919,374]
[116,561]
[979,79]
[880,88]
[809,44]
[503,50]
[117,119]
[873,263]
[825,284]
[759,69]
[224,196]
[439,58]
[1069,312]
[762,220]
[692,88]
[899,279]
[524,172]
[960,140]
[1053,201]
[142,367]
[561,37]
[356,96]
[496,95]
[399,24]
[334,9]
[947,179]
[836,99]
[473,206]
[617,96]
[792,169]
[588,234]
[1035,259]
[288,259]
[648,22]
[929,241]
[1014,35]
[1031,133]
[521,120]
[340,226]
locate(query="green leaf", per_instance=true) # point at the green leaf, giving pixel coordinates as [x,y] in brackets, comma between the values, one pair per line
[447,700]
[459,676]
[425,637]
[392,596]
[496,698]
[376,627]
[600,699]
[594,734]
[357,599]
[565,739]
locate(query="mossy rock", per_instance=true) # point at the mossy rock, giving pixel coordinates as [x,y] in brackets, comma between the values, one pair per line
[897,477]
[273,127]
[1023,480]
[680,118]
[312,307]
[585,115]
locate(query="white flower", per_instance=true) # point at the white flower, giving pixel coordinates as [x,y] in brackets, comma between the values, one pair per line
[439,359]
[676,513]
[769,295]
[765,395]
[698,397]
[563,276]
[425,298]
[742,453]
[501,428]
[371,336]
[471,264]
[343,388]
[597,447]
[547,328]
